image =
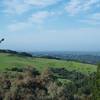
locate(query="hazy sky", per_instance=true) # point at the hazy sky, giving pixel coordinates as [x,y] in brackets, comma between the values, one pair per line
[50,25]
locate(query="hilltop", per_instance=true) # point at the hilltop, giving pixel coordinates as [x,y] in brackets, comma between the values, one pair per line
[24,77]
[10,58]
[24,54]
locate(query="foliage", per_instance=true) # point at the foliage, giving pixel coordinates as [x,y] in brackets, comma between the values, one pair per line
[26,83]
[49,79]
[96,85]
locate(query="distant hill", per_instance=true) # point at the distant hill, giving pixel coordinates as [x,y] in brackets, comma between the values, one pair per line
[84,57]
[24,54]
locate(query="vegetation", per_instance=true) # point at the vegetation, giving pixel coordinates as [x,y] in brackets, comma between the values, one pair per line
[2,40]
[96,87]
[29,84]
[28,78]
[23,54]
[8,60]
[84,57]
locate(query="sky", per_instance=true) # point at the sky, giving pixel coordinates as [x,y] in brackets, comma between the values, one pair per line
[40,25]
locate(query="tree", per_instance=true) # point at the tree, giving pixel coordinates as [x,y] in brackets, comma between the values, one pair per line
[2,40]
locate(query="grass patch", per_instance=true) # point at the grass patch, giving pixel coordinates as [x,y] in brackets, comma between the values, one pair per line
[8,61]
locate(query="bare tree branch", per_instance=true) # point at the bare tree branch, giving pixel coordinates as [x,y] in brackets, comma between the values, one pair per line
[2,40]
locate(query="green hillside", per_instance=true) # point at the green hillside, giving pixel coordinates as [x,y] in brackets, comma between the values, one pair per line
[9,60]
[29,78]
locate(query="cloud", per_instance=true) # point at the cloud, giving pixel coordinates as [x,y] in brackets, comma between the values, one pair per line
[41,16]
[95,16]
[18,26]
[87,8]
[21,6]
[93,19]
[89,22]
[37,19]
[74,7]
[15,7]
[41,3]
